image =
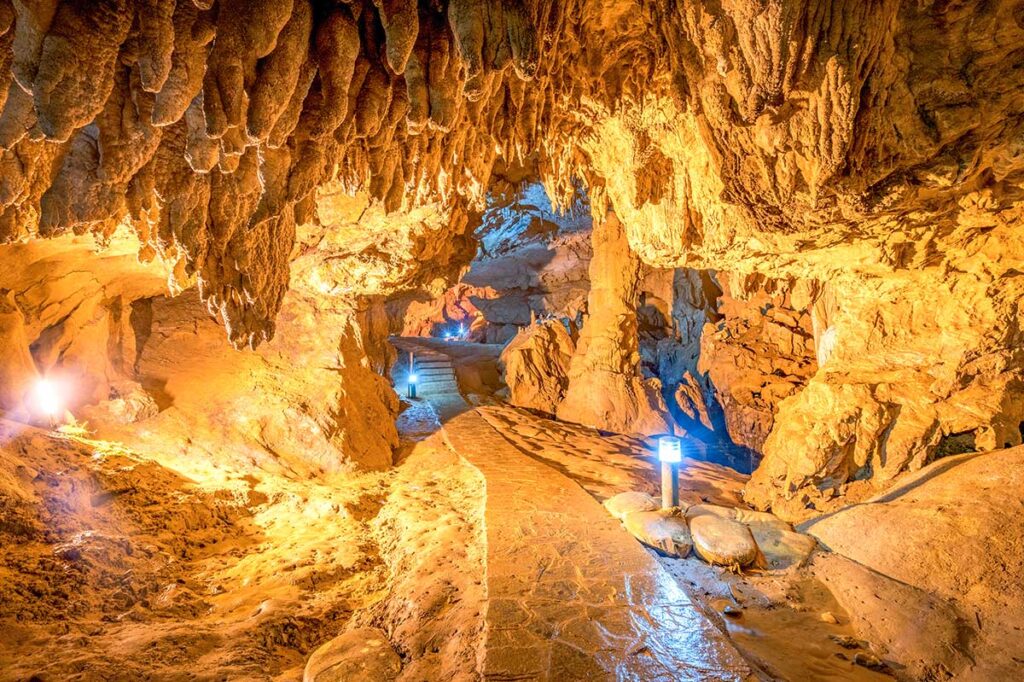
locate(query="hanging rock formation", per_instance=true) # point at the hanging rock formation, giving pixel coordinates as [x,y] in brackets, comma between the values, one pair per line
[872,147]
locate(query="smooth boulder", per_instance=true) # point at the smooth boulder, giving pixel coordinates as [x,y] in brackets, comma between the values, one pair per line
[722,542]
[630,502]
[781,546]
[358,654]
[664,530]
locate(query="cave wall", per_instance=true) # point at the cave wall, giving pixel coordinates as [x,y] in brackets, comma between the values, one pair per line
[146,364]
[531,263]
[873,147]
[305,404]
[760,352]
[71,322]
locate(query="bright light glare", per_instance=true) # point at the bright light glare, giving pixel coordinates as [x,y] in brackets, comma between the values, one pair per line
[670,449]
[413,378]
[47,398]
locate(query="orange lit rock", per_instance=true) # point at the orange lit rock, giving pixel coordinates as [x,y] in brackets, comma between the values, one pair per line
[605,387]
[536,366]
[17,371]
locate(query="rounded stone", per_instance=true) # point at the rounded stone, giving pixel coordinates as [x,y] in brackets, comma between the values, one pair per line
[664,530]
[630,502]
[358,654]
[722,542]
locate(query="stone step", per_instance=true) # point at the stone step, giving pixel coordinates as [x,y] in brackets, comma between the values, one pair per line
[424,366]
[440,362]
[448,387]
[433,372]
[434,383]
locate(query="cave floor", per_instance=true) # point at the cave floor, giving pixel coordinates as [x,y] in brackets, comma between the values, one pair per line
[570,595]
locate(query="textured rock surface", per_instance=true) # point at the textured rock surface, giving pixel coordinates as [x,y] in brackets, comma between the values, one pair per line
[536,366]
[870,151]
[72,322]
[760,352]
[970,558]
[606,389]
[531,264]
[91,316]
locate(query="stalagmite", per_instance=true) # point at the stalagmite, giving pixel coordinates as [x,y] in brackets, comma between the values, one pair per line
[806,262]
[605,387]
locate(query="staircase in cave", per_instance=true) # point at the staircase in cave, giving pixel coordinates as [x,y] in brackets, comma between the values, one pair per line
[434,371]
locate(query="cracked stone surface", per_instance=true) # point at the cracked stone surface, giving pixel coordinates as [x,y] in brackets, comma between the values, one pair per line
[570,594]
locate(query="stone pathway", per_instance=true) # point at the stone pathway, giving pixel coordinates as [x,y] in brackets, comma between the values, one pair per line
[434,371]
[570,594]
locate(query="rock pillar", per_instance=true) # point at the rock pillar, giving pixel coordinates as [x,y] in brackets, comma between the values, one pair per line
[606,389]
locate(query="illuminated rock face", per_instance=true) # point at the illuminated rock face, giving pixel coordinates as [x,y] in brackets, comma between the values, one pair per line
[760,352]
[154,371]
[606,389]
[536,366]
[531,264]
[869,153]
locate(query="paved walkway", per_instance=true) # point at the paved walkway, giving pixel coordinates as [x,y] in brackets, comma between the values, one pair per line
[571,595]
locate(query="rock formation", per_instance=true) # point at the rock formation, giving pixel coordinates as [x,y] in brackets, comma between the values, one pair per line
[536,366]
[760,352]
[805,244]
[866,153]
[531,264]
[606,389]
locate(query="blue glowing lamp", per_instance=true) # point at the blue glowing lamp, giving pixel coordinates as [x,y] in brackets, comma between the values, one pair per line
[670,449]
[412,384]
[670,452]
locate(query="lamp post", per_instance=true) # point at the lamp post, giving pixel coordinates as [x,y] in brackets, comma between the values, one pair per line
[48,399]
[670,453]
[411,381]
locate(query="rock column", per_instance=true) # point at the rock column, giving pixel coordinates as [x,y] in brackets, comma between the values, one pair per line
[606,389]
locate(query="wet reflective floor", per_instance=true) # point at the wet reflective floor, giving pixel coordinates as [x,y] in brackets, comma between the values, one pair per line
[570,594]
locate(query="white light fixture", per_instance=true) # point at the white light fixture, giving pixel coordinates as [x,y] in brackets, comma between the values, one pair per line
[47,399]
[670,449]
[412,384]
[670,452]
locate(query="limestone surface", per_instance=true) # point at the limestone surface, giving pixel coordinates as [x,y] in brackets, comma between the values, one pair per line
[664,530]
[360,653]
[721,541]
[536,366]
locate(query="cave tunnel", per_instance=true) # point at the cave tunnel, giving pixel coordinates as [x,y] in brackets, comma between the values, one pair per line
[511,339]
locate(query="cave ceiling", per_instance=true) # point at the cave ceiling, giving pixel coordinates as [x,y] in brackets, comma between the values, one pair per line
[787,135]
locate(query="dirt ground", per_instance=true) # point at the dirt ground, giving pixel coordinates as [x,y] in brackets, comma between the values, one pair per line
[113,567]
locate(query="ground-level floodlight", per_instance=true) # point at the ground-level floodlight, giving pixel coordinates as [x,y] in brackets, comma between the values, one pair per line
[49,399]
[670,453]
